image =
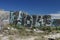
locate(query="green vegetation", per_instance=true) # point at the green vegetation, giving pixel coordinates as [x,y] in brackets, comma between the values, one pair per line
[21,30]
[44,28]
[11,38]
[0,38]
[40,38]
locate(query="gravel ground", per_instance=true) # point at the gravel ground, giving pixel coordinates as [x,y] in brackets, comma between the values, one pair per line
[13,37]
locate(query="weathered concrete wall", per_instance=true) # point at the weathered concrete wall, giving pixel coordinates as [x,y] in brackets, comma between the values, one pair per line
[4,18]
[31,20]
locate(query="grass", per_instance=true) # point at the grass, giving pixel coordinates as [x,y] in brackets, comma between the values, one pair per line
[21,31]
[11,38]
[40,38]
[0,38]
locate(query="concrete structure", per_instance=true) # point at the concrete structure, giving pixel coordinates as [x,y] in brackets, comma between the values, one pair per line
[22,18]
[4,18]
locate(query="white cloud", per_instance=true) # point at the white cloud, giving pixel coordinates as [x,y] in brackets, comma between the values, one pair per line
[55,15]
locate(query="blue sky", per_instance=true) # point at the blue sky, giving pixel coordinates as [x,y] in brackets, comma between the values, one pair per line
[31,6]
